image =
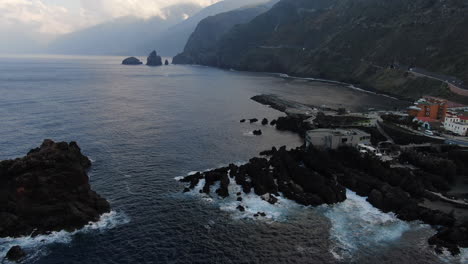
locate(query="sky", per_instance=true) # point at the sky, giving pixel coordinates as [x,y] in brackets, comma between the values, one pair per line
[38,20]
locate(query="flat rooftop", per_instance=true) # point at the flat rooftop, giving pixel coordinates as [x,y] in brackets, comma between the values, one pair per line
[336,132]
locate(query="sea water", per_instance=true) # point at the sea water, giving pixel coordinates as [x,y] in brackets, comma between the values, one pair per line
[144,126]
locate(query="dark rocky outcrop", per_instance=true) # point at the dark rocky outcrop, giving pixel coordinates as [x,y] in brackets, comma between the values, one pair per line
[451,238]
[284,172]
[166,62]
[153,59]
[265,121]
[253,120]
[257,132]
[16,253]
[47,190]
[316,176]
[242,120]
[293,124]
[131,61]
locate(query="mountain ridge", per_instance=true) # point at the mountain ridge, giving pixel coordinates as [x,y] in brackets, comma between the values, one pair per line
[355,41]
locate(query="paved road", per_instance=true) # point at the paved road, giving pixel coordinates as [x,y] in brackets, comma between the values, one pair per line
[443,78]
[389,139]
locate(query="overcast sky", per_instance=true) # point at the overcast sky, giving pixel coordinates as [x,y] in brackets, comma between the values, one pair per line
[52,17]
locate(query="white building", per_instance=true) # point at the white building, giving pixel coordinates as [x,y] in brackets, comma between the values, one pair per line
[456,124]
[334,138]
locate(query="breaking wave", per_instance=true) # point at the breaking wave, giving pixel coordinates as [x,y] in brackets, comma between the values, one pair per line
[252,203]
[36,247]
[356,224]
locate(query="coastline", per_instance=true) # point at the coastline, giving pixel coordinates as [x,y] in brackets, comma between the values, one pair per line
[312,79]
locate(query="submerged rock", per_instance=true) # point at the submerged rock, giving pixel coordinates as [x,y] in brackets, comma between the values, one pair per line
[47,190]
[131,61]
[154,59]
[15,253]
[269,198]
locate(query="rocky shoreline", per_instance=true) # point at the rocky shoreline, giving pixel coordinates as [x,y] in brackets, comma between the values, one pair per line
[47,190]
[313,177]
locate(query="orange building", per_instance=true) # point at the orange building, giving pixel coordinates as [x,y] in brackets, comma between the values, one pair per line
[429,107]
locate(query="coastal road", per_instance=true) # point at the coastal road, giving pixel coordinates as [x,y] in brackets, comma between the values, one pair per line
[457,83]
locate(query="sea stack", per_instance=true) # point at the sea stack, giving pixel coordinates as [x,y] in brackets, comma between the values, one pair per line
[131,61]
[47,190]
[154,59]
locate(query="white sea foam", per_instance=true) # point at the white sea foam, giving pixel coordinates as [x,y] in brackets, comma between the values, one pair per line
[462,258]
[252,203]
[178,178]
[37,246]
[357,224]
[248,134]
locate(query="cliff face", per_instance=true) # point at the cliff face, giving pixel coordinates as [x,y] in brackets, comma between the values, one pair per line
[354,41]
[202,46]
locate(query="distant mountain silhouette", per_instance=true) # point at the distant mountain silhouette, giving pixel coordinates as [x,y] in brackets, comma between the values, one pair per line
[122,36]
[136,36]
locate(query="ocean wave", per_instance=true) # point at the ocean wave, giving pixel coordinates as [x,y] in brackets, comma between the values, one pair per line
[357,224]
[36,247]
[248,134]
[252,203]
[462,258]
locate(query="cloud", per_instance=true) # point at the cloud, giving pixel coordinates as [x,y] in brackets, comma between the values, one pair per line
[140,8]
[64,16]
[35,16]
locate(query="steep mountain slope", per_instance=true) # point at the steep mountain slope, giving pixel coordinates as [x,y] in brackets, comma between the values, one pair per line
[172,40]
[201,47]
[136,36]
[355,41]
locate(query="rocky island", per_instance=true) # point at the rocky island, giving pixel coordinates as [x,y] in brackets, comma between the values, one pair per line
[131,61]
[47,190]
[153,59]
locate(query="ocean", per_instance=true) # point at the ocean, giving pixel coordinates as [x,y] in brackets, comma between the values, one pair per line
[145,126]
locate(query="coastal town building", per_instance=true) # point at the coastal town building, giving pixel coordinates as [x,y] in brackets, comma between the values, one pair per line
[429,107]
[334,138]
[428,123]
[457,124]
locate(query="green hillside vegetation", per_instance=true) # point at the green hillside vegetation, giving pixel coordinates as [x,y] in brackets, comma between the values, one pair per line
[354,41]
